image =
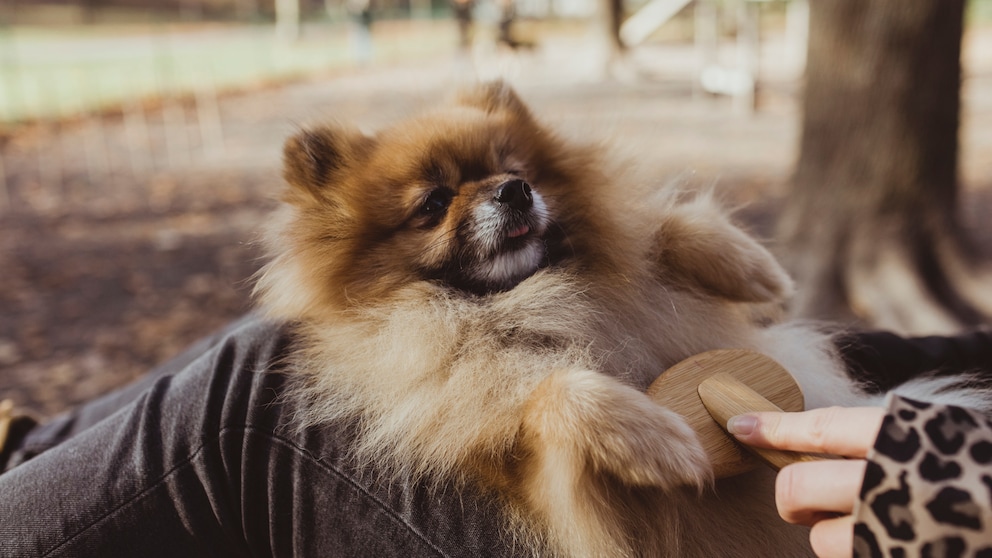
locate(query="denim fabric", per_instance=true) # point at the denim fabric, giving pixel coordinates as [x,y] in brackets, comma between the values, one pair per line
[199,459]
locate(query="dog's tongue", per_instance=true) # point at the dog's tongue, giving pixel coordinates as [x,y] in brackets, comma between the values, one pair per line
[518,232]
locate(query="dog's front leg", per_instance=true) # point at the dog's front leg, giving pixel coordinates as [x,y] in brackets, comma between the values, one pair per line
[590,442]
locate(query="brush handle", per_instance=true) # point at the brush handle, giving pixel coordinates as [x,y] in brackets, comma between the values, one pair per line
[725,396]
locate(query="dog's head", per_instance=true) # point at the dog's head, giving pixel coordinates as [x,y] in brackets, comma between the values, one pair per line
[460,195]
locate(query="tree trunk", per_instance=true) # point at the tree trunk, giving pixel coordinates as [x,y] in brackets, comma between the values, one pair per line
[871,231]
[288,19]
[610,18]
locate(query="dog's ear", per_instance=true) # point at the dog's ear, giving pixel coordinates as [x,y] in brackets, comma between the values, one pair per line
[698,247]
[314,157]
[493,96]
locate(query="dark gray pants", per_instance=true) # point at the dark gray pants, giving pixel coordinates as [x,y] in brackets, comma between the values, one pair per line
[199,459]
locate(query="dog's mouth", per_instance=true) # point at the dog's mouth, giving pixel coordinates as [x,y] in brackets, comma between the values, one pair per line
[517,237]
[503,244]
[515,257]
[518,232]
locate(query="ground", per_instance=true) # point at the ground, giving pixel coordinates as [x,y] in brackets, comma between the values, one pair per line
[123,240]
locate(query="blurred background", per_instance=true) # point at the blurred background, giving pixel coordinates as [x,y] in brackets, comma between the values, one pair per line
[140,144]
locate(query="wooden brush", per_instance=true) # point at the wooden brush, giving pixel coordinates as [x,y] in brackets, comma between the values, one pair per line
[709,388]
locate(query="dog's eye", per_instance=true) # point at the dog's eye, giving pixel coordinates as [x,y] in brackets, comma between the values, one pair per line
[436,202]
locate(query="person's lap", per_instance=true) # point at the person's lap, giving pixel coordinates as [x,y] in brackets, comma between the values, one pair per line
[200,458]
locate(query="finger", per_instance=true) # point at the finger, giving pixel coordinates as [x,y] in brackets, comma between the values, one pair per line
[807,492]
[833,538]
[836,430]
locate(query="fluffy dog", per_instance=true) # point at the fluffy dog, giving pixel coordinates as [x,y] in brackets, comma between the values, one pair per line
[489,302]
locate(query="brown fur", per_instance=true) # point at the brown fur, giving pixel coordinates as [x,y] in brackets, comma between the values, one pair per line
[531,386]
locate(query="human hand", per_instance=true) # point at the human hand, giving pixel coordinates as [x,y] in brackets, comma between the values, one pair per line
[820,494]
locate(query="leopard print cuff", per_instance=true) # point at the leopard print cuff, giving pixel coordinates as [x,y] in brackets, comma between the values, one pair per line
[927,490]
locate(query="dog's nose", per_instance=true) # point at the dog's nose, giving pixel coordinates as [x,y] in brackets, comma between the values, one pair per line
[515,194]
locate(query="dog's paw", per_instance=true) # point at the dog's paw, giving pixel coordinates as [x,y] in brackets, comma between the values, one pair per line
[597,422]
[696,245]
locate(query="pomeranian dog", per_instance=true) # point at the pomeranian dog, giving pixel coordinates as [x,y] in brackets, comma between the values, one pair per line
[489,302]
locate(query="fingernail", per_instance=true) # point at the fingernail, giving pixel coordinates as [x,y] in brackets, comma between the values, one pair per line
[742,425]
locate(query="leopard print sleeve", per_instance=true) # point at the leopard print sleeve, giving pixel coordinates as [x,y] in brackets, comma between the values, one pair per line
[927,489]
